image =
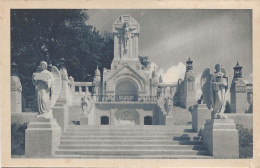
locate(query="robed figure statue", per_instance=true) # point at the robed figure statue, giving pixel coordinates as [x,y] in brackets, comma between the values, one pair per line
[47,86]
[214,88]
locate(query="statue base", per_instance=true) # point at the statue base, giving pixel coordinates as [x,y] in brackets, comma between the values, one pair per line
[83,120]
[169,120]
[42,138]
[60,112]
[200,113]
[220,136]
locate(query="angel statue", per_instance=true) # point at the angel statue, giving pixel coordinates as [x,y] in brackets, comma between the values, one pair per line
[48,86]
[214,88]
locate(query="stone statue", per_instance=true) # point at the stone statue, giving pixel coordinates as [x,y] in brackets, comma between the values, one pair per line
[214,88]
[87,104]
[125,34]
[48,86]
[168,105]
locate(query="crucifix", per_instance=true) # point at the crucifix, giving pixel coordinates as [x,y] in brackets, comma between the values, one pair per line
[125,31]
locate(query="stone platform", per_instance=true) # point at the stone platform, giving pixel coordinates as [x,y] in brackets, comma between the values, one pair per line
[42,137]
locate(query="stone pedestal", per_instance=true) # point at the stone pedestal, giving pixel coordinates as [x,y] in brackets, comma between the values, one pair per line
[83,120]
[200,113]
[220,136]
[190,103]
[169,120]
[42,138]
[21,118]
[60,113]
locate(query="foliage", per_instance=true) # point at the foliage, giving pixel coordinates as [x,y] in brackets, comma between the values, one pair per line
[227,108]
[46,34]
[144,60]
[18,138]
[245,142]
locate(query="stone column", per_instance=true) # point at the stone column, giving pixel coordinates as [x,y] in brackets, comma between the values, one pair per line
[16,90]
[61,114]
[16,95]
[220,136]
[200,113]
[42,138]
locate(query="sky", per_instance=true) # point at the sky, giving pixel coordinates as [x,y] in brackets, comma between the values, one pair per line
[170,36]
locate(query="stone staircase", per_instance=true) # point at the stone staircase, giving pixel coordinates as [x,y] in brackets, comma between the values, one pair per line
[135,141]
[138,142]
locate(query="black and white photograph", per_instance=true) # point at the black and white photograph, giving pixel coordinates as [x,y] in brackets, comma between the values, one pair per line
[166,84]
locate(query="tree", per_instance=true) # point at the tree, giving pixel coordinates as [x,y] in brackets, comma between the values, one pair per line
[227,108]
[49,35]
[144,60]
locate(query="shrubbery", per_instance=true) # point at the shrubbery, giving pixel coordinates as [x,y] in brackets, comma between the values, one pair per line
[18,138]
[245,142]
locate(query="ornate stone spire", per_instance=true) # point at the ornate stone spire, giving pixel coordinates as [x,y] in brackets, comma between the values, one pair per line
[238,71]
[97,72]
[189,64]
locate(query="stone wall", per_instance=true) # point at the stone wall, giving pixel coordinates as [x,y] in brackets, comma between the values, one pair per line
[246,120]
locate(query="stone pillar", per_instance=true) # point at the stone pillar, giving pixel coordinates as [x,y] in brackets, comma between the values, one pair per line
[169,120]
[16,90]
[200,113]
[189,85]
[61,114]
[220,137]
[42,138]
[84,120]
[16,95]
[238,96]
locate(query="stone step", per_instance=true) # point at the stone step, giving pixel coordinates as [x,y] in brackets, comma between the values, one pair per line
[130,134]
[136,157]
[135,147]
[130,142]
[131,152]
[129,138]
[137,127]
[174,128]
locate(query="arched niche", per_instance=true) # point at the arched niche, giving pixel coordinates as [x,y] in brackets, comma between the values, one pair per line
[126,89]
[104,120]
[148,120]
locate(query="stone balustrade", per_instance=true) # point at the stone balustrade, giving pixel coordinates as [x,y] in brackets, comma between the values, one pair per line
[112,98]
[80,88]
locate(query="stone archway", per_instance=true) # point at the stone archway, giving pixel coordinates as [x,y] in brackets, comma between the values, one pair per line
[126,90]
[126,117]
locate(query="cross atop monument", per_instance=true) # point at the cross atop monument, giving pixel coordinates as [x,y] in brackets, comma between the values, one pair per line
[126,32]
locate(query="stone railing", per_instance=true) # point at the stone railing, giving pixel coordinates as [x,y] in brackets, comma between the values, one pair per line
[81,88]
[112,98]
[165,89]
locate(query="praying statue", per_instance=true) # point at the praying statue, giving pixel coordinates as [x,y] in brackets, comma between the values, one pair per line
[214,88]
[47,86]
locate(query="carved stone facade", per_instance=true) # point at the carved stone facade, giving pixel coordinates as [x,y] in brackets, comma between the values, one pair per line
[241,93]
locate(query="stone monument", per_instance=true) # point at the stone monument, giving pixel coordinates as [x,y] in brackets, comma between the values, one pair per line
[220,135]
[87,106]
[43,134]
